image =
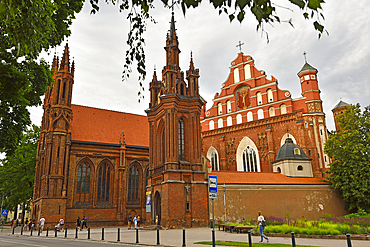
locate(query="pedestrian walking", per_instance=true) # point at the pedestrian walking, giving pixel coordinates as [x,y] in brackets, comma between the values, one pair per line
[129,220]
[261,224]
[61,222]
[42,223]
[26,224]
[78,223]
[135,222]
[84,222]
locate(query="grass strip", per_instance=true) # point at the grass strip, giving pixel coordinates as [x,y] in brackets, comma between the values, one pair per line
[244,244]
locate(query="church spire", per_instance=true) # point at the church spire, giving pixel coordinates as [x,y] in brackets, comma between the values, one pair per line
[64,64]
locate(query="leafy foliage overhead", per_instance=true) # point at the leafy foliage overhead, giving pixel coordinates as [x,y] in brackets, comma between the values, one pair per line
[17,172]
[350,148]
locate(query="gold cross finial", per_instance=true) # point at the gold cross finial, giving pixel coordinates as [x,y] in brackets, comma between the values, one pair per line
[240,45]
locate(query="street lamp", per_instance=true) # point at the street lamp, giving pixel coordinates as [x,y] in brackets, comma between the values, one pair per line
[224,188]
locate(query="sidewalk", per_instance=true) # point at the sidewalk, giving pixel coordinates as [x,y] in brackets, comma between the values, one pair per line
[175,237]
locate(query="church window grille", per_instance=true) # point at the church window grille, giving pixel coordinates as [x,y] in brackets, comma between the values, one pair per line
[214,161]
[283,109]
[83,178]
[239,119]
[271,112]
[269,95]
[104,183]
[133,184]
[260,114]
[181,140]
[250,160]
[300,168]
[219,107]
[259,98]
[249,116]
[220,123]
[229,121]
[228,106]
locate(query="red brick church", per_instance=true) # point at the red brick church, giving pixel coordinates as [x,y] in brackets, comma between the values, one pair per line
[107,165]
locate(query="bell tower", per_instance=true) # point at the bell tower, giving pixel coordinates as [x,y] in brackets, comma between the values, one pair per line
[50,189]
[176,183]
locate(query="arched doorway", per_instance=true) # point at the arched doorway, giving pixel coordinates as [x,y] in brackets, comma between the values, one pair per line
[157,207]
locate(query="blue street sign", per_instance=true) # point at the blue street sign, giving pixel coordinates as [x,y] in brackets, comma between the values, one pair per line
[212,184]
[4,212]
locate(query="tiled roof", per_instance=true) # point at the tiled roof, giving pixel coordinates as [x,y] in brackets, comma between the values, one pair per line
[227,177]
[105,126]
[340,104]
[307,67]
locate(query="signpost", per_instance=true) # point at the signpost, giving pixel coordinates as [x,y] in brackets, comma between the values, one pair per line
[4,212]
[212,191]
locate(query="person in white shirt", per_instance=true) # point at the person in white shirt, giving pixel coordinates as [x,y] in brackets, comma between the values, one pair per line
[61,222]
[261,224]
[135,222]
[42,223]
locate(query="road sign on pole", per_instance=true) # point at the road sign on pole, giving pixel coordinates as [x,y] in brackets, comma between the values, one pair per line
[4,212]
[212,187]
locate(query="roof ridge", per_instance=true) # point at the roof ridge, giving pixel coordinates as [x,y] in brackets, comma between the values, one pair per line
[97,108]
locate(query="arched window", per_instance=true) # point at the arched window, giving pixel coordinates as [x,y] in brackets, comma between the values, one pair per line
[236,75]
[249,116]
[229,121]
[103,183]
[133,185]
[270,97]
[163,144]
[259,98]
[250,160]
[282,109]
[228,106]
[182,89]
[214,161]
[181,140]
[239,119]
[271,111]
[260,114]
[83,178]
[220,123]
[219,107]
[279,170]
[211,125]
[247,71]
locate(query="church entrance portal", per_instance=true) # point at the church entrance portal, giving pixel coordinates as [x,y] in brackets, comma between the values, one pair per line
[157,207]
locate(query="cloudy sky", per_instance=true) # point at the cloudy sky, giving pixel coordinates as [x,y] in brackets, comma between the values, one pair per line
[98,45]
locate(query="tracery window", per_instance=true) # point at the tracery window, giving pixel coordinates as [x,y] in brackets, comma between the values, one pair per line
[181,140]
[250,160]
[133,185]
[214,161]
[83,178]
[103,183]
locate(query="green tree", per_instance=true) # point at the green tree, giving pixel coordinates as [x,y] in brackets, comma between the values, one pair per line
[26,28]
[349,148]
[17,173]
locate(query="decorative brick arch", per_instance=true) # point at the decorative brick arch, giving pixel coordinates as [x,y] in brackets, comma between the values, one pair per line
[282,142]
[209,156]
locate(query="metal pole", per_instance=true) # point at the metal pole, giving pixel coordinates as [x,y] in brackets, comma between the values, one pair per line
[2,216]
[88,233]
[65,232]
[22,230]
[119,235]
[31,231]
[293,240]
[250,238]
[213,224]
[102,233]
[38,234]
[183,238]
[13,229]
[349,244]
[47,231]
[56,232]
[137,236]
[224,187]
[158,237]
[76,236]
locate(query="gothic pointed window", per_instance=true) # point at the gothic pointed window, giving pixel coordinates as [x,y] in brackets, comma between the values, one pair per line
[250,160]
[181,140]
[133,185]
[163,145]
[103,183]
[83,182]
[214,161]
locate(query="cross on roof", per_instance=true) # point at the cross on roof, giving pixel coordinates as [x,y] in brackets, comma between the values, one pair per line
[304,54]
[240,45]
